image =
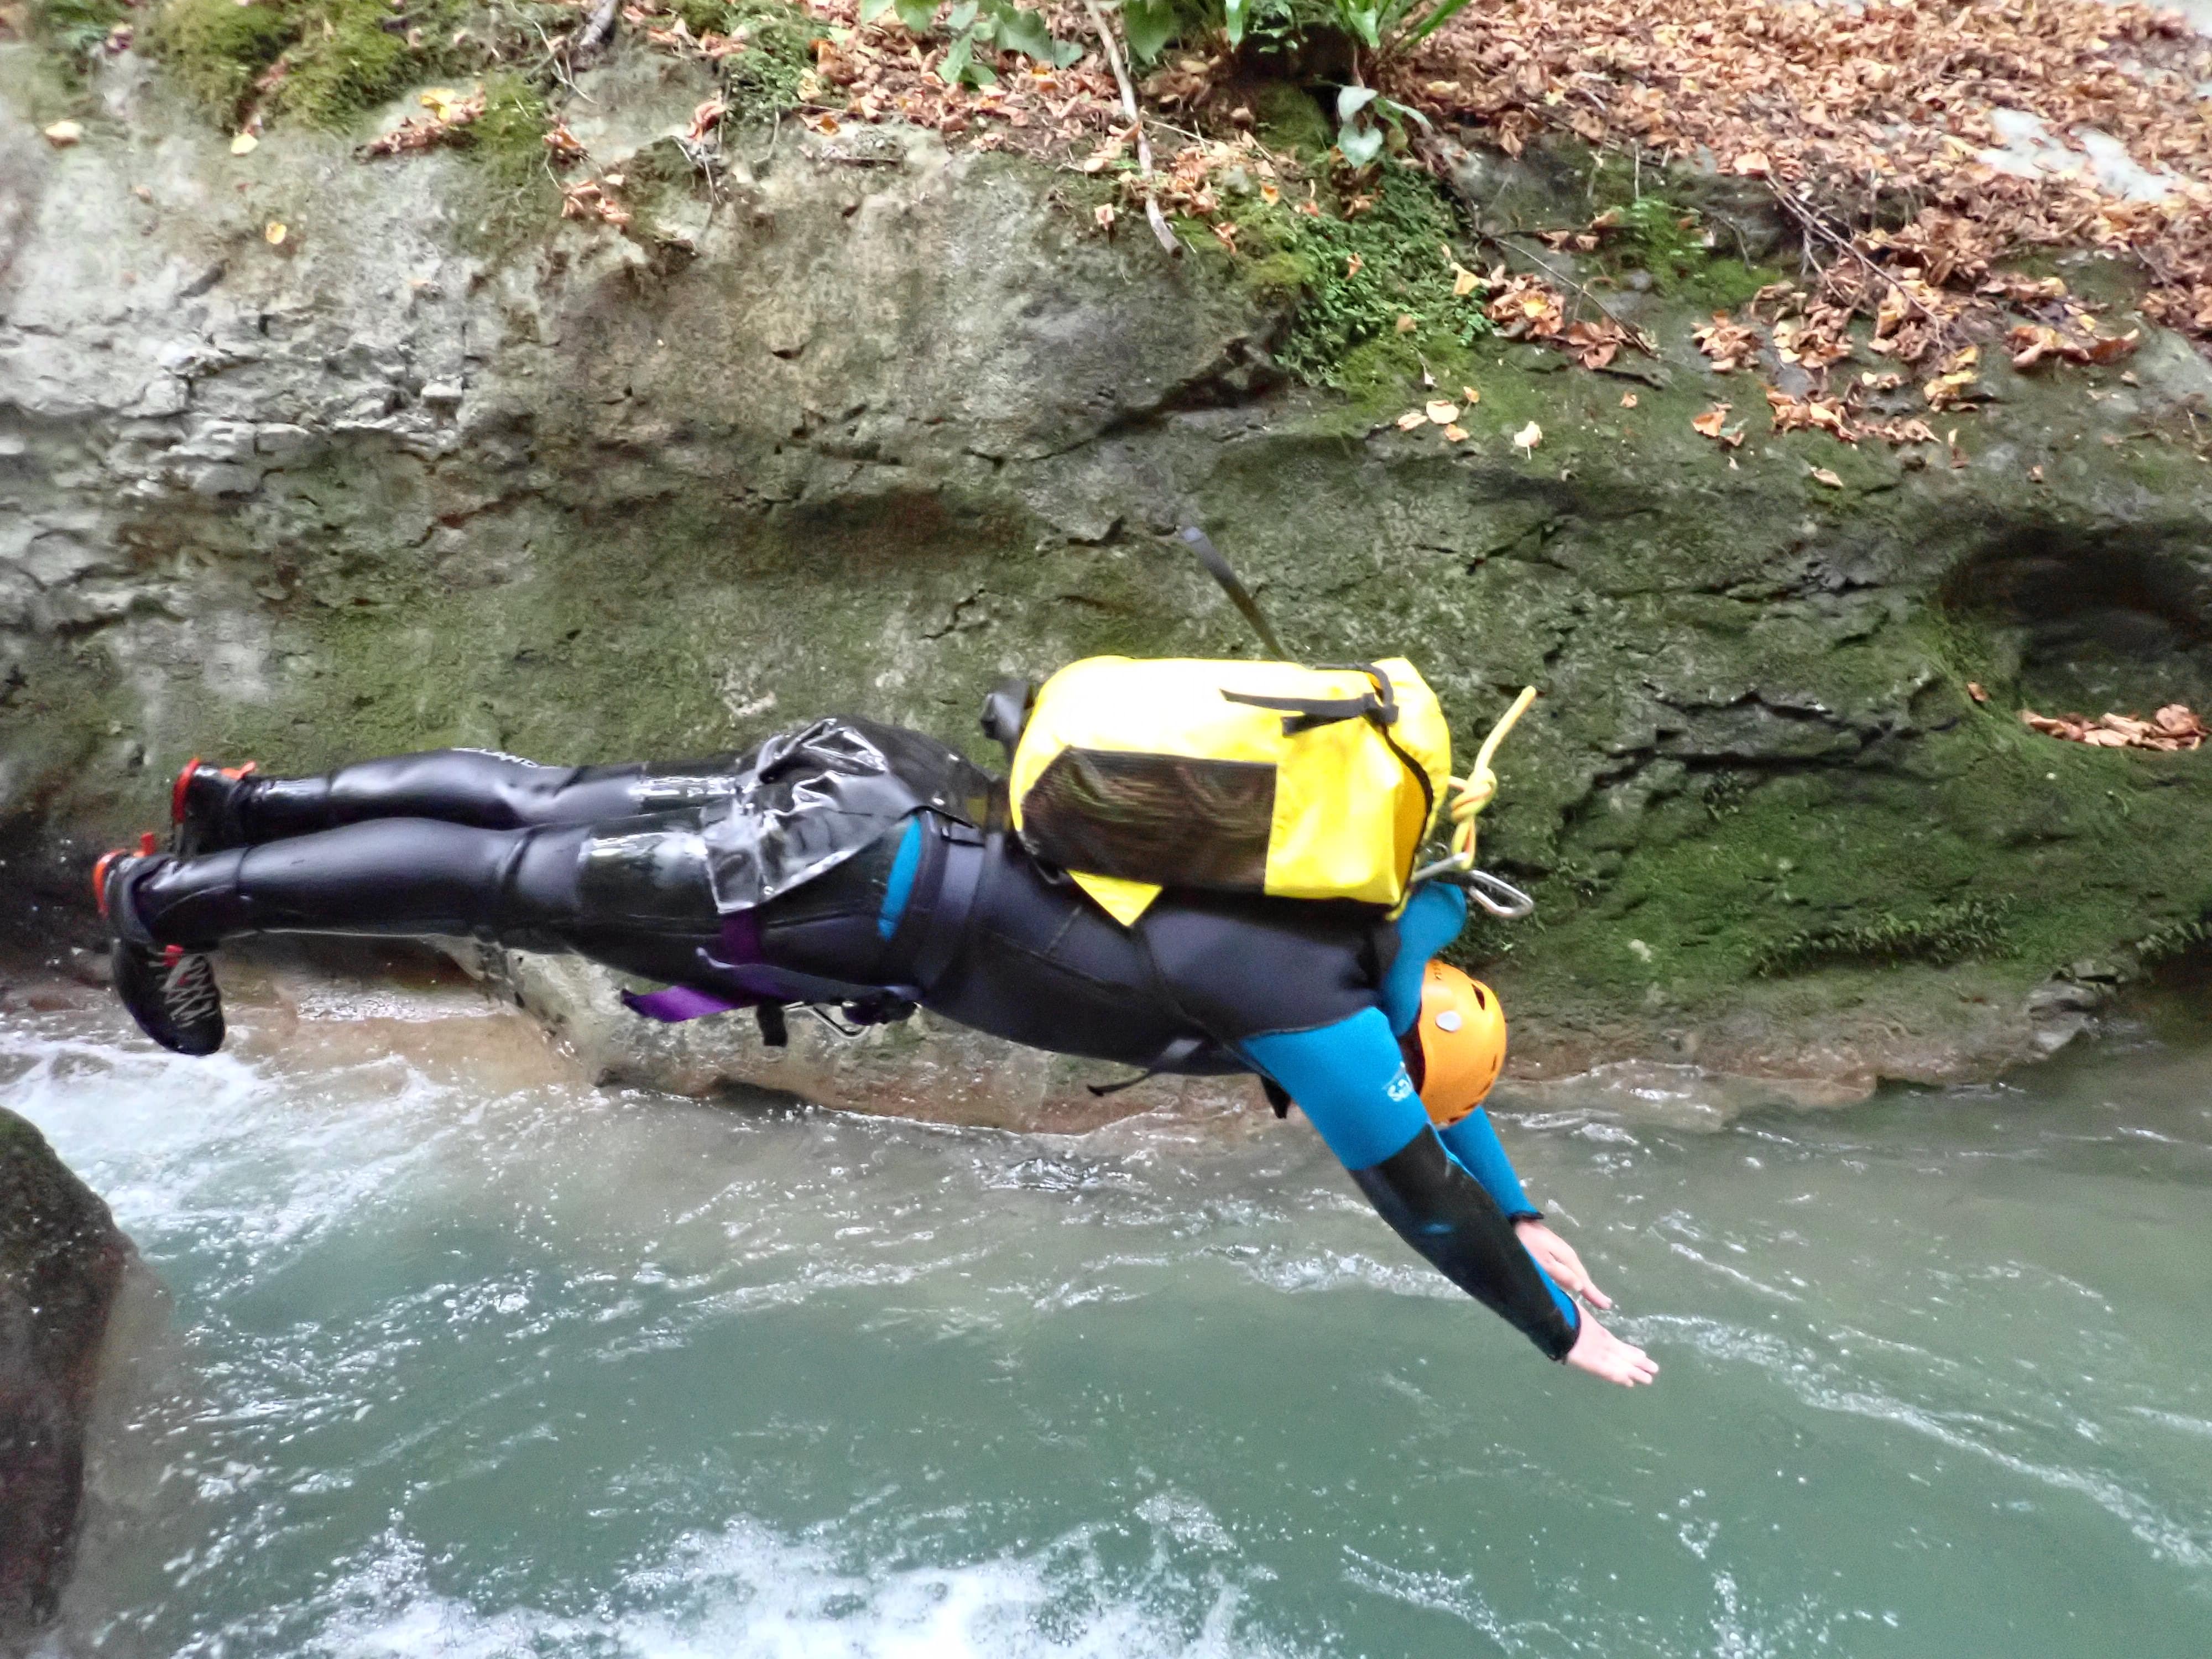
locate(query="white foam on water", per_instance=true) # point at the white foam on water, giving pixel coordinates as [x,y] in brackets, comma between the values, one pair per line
[746,1592]
[194,1148]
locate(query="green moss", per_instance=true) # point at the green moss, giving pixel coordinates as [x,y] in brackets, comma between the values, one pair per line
[318,62]
[217,48]
[506,149]
[1667,241]
[76,29]
[508,139]
[1945,933]
[779,48]
[1287,119]
[1357,276]
[348,58]
[652,180]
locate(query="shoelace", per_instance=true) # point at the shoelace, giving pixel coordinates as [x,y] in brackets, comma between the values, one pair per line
[189,994]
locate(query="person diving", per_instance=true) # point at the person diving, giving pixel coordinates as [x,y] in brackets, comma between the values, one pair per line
[870,868]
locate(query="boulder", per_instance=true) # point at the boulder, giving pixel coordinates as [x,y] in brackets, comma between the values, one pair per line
[62,1261]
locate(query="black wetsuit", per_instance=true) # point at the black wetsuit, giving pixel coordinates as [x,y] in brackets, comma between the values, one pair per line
[852,864]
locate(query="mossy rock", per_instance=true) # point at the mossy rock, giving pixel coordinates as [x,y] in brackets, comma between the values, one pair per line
[322,63]
[765,77]
[76,30]
[62,1260]
[1372,274]
[1287,117]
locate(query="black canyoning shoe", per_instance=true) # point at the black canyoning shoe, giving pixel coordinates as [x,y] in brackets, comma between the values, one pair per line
[169,991]
[204,807]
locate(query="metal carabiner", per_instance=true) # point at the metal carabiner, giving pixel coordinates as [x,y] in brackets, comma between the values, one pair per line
[1478,885]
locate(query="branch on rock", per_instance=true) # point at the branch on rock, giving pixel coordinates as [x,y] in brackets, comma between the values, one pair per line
[1813,226]
[1153,217]
[1635,336]
[599,30]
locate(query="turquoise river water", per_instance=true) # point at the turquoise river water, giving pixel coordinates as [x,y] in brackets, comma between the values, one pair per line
[463,1358]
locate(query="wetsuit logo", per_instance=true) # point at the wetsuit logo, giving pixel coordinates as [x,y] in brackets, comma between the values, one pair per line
[1401,1086]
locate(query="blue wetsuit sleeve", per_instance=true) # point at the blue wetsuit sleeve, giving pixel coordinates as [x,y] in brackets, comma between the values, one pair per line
[1472,1141]
[1430,920]
[1351,1082]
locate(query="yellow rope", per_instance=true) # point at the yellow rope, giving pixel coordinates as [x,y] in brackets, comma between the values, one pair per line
[1480,786]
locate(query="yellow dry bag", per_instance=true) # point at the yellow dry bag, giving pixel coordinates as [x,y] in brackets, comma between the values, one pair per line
[1258,777]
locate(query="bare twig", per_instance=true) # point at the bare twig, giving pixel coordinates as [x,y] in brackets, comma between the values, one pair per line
[1810,221]
[1635,336]
[1152,213]
[556,60]
[598,29]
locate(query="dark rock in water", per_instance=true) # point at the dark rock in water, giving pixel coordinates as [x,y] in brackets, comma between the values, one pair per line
[61,1262]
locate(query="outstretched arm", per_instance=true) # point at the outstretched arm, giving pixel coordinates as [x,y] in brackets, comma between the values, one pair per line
[1352,1082]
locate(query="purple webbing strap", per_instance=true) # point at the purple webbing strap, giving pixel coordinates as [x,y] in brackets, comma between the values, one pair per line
[740,950]
[678,1003]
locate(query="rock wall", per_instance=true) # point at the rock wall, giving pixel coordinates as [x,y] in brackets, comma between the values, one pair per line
[61,1262]
[872,425]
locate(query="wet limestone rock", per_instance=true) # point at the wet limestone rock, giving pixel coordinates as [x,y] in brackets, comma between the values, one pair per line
[922,1068]
[61,1262]
[868,432]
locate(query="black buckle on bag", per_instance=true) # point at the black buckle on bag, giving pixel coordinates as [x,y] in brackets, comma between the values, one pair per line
[1307,714]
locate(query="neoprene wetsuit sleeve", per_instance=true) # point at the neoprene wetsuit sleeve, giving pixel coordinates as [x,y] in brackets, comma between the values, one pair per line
[1351,1082]
[1474,1144]
[1430,920]
[1441,1211]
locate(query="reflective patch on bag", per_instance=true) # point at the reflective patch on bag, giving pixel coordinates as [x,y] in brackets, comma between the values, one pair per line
[1174,820]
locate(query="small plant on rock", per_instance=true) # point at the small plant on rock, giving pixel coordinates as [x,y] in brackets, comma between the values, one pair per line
[974,26]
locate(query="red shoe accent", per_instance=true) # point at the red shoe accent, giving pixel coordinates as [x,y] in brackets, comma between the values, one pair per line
[173,954]
[184,778]
[99,879]
[177,790]
[147,842]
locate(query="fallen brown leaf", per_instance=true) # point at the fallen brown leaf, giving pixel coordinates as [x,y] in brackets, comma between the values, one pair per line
[2175,727]
[1713,423]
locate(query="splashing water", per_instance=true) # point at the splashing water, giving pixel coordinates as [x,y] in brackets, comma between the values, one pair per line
[468,1359]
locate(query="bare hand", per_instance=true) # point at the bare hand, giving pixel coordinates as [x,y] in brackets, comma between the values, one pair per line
[1557,1257]
[1602,1354]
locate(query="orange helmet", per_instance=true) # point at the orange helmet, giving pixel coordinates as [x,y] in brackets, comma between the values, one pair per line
[1462,1046]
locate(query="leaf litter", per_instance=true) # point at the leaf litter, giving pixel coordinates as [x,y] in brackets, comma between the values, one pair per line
[1849,111]
[2174,727]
